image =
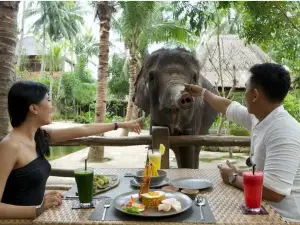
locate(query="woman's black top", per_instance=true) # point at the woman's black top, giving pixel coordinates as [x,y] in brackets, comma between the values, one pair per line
[26,185]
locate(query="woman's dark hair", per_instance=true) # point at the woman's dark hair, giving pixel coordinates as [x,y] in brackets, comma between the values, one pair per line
[21,95]
[273,79]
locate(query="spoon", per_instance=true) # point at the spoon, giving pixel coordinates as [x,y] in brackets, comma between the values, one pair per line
[200,201]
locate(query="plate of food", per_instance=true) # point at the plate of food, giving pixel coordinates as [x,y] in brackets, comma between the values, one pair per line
[152,204]
[102,183]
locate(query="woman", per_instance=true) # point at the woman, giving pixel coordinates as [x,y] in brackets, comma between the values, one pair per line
[24,169]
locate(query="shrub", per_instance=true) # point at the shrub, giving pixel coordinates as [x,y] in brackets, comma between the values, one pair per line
[239,132]
[82,119]
[85,117]
[56,117]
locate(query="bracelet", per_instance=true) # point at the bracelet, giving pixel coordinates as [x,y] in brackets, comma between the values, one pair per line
[116,126]
[202,93]
[38,210]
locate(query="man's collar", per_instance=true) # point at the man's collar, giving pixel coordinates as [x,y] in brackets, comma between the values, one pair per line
[270,117]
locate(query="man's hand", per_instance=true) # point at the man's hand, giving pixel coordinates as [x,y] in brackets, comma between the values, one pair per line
[193,90]
[226,171]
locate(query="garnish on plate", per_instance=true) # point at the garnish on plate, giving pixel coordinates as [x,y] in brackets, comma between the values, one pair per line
[133,207]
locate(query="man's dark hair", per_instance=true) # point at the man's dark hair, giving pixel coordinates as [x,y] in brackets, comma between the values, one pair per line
[273,79]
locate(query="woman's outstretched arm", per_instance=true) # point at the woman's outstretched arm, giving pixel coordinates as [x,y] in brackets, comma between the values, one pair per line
[64,134]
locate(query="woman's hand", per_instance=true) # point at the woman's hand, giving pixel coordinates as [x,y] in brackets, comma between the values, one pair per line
[51,199]
[134,125]
[192,89]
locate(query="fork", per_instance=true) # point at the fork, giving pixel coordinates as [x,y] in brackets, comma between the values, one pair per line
[106,206]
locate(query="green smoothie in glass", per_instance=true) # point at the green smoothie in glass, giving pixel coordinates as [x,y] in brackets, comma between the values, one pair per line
[84,180]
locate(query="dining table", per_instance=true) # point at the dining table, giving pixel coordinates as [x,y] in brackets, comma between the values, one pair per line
[224,202]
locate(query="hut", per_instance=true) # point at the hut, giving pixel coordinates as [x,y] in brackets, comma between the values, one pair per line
[236,58]
[31,52]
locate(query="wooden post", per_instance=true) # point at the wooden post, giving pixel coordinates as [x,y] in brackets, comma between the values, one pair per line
[160,135]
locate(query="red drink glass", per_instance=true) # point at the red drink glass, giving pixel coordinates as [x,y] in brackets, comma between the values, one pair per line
[253,186]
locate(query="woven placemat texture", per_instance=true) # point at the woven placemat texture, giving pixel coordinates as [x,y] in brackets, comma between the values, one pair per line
[224,201]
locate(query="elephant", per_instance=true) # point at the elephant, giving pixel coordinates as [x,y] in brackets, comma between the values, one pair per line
[157,91]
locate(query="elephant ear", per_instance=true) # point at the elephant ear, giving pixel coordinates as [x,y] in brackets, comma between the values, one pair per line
[209,114]
[141,91]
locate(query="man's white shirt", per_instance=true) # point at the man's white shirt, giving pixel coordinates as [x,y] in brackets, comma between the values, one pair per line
[275,149]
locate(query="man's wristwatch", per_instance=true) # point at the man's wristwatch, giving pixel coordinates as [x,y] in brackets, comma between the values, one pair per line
[232,178]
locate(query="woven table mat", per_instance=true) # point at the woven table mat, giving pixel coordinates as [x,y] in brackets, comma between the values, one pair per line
[189,216]
[223,199]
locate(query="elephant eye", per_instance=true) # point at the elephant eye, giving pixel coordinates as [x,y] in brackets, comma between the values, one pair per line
[151,75]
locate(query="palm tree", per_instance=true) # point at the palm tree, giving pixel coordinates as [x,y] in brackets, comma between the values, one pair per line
[141,24]
[59,19]
[104,13]
[54,59]
[8,41]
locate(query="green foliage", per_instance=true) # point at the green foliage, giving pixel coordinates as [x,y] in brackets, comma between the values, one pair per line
[118,84]
[196,15]
[237,130]
[143,23]
[60,19]
[146,123]
[292,105]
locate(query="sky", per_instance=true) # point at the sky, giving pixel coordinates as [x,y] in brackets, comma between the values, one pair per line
[90,22]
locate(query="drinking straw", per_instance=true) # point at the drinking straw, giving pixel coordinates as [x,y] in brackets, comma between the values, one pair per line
[253,168]
[85,164]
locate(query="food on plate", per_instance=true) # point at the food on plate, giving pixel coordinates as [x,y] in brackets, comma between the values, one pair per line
[133,207]
[99,181]
[190,192]
[170,188]
[152,199]
[164,207]
[169,203]
[150,170]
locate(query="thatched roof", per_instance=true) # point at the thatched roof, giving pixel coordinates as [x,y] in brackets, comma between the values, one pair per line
[30,46]
[234,53]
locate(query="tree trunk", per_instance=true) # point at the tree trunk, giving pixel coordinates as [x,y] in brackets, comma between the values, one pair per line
[104,11]
[8,41]
[130,105]
[135,112]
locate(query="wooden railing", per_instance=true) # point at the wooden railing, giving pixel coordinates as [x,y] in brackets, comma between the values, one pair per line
[160,135]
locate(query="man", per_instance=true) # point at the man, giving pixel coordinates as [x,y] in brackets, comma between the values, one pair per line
[275,136]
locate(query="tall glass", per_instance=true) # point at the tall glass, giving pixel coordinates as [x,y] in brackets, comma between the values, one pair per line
[253,187]
[84,180]
[155,158]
